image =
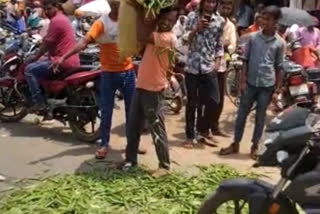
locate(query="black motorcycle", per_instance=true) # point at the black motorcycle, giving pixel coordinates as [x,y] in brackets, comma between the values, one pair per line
[291,144]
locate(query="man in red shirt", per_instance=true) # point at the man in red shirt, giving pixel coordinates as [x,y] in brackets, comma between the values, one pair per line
[59,39]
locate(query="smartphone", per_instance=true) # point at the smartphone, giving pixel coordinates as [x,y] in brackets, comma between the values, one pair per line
[207,17]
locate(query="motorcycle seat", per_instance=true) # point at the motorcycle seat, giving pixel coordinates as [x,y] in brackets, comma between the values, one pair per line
[65,73]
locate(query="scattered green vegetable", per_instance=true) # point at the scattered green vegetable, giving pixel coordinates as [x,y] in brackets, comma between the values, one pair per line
[117,192]
[154,6]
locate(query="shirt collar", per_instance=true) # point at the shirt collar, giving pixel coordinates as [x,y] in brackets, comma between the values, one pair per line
[267,38]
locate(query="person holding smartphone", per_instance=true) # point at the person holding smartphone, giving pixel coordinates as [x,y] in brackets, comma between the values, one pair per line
[204,30]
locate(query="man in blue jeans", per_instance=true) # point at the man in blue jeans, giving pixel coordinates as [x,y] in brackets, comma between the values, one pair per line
[59,39]
[260,78]
[118,74]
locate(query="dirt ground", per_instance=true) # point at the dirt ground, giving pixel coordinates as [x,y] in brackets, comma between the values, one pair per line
[28,150]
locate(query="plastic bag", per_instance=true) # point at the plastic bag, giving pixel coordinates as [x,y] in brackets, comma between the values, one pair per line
[128,43]
[95,8]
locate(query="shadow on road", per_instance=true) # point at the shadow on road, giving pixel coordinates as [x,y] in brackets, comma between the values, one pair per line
[119,130]
[48,132]
[113,160]
[70,152]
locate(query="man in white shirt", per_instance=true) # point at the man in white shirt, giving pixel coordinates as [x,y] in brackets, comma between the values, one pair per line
[229,38]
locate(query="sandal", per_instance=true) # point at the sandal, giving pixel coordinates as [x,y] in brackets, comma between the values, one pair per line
[101,153]
[254,152]
[189,144]
[232,149]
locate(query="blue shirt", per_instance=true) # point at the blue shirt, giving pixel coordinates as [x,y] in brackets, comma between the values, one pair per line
[265,56]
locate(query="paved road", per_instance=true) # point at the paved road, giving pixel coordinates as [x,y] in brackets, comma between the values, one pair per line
[28,150]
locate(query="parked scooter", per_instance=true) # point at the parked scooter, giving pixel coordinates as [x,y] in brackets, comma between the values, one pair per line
[70,96]
[292,143]
[296,87]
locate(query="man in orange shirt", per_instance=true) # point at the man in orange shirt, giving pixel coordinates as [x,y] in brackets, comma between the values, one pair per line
[148,99]
[117,74]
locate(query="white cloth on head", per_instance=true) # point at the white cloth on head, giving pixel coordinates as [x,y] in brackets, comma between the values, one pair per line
[95,8]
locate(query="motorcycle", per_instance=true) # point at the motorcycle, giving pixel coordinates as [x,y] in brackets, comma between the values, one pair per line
[70,96]
[291,143]
[90,56]
[296,87]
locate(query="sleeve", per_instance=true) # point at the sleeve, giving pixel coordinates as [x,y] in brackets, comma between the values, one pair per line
[54,32]
[233,39]
[95,31]
[220,47]
[189,26]
[280,55]
[247,48]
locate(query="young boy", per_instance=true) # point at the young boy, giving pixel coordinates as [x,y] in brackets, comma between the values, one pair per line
[260,79]
[147,101]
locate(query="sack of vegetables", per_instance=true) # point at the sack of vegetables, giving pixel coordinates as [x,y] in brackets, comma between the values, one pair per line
[136,22]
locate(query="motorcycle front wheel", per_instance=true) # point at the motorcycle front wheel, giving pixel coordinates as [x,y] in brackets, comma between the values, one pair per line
[84,121]
[176,104]
[222,203]
[12,105]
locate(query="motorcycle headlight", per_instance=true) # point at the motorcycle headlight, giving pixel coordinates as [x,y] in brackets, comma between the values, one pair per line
[282,156]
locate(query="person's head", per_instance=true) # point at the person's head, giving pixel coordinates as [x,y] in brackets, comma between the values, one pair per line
[316,23]
[282,29]
[270,17]
[258,19]
[226,8]
[182,12]
[13,1]
[208,6]
[259,8]
[167,19]
[114,5]
[51,7]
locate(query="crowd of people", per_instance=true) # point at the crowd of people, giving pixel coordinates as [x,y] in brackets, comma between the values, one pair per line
[203,33]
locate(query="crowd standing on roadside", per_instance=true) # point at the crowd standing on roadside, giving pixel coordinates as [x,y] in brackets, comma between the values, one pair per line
[205,33]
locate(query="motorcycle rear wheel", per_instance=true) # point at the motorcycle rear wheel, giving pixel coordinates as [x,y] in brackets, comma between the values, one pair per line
[222,203]
[12,106]
[85,128]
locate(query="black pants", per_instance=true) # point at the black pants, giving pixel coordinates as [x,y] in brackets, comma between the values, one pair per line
[147,106]
[203,96]
[217,112]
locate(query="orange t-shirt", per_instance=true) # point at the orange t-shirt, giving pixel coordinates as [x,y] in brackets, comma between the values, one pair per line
[109,52]
[253,28]
[152,74]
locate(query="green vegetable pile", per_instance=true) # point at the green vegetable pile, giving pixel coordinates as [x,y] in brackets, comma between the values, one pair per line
[112,191]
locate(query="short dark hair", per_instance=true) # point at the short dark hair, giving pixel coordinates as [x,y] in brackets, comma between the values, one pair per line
[55,3]
[202,2]
[273,11]
[227,2]
[167,10]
